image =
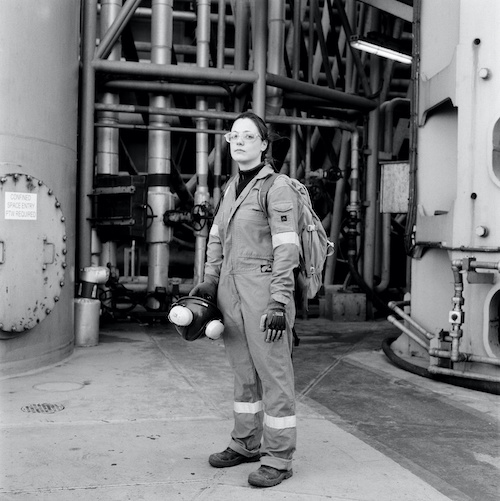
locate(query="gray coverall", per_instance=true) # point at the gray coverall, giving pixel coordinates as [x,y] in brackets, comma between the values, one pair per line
[252,258]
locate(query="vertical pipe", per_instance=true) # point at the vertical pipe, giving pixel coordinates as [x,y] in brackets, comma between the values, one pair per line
[294,157]
[107,137]
[160,197]
[371,174]
[221,37]
[457,313]
[86,166]
[351,68]
[201,195]
[354,207]
[276,50]
[338,203]
[310,79]
[259,31]
[241,9]
[338,209]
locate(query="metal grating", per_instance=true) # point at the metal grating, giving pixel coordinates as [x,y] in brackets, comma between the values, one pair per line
[43,408]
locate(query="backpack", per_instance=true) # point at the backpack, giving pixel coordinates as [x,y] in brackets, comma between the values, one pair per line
[314,243]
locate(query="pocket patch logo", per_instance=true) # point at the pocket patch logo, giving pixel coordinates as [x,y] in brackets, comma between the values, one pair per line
[283,219]
[266,268]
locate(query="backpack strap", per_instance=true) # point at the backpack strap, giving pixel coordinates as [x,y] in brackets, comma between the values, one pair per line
[222,193]
[264,189]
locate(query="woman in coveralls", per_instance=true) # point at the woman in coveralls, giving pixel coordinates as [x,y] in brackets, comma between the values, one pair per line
[250,269]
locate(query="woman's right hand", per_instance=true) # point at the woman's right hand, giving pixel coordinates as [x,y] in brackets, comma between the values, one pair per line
[206,290]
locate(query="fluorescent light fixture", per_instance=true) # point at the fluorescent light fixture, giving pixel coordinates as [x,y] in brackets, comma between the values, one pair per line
[373,47]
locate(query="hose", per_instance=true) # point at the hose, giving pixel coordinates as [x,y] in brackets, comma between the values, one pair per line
[370,293]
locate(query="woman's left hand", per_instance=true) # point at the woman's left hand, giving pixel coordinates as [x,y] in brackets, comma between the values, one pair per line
[274,320]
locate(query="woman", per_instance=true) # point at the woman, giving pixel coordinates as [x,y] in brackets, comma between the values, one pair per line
[250,269]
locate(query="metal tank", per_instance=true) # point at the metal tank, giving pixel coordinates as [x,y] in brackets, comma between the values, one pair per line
[39,54]
[455,284]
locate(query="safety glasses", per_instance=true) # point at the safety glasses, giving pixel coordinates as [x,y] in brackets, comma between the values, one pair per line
[247,137]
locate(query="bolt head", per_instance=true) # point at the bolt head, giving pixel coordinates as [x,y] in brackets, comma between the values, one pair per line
[481,231]
[484,73]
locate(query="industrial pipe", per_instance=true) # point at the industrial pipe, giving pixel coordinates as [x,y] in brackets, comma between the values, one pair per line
[221,37]
[294,136]
[338,206]
[241,9]
[202,195]
[168,88]
[340,187]
[107,136]
[464,357]
[160,198]
[394,306]
[259,44]
[180,15]
[86,167]
[371,177]
[354,211]
[275,63]
[457,314]
[433,369]
[174,112]
[174,71]
[341,99]
[408,332]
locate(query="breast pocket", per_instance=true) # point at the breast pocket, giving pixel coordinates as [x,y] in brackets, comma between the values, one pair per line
[253,236]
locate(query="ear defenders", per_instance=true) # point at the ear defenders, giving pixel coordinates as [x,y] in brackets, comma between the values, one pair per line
[194,317]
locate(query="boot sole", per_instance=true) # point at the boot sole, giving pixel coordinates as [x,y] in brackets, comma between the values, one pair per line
[235,462]
[263,482]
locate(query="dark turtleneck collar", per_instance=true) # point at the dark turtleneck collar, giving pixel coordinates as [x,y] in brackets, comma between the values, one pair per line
[246,176]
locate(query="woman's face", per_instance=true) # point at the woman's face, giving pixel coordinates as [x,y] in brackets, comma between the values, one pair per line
[247,153]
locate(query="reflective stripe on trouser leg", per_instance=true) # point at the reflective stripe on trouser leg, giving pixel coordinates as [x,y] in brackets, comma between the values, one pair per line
[280,432]
[247,431]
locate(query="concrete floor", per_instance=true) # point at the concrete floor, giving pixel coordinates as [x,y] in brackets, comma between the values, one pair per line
[137,416]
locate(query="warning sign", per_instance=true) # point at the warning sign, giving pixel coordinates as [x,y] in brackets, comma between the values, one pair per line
[20,206]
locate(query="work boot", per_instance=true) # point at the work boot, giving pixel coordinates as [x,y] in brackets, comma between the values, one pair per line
[267,476]
[230,458]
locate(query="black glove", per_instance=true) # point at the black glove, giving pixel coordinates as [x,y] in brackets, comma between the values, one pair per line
[206,290]
[274,320]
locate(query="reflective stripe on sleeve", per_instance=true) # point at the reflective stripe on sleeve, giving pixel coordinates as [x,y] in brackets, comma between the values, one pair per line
[214,230]
[248,407]
[287,237]
[280,423]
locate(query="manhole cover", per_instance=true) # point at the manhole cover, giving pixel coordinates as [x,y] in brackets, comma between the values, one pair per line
[58,386]
[34,241]
[43,408]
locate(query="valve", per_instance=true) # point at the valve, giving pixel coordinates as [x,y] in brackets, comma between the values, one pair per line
[456,317]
